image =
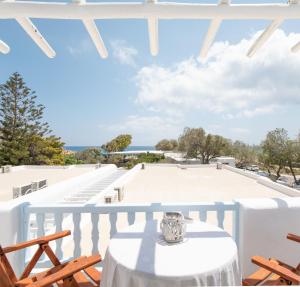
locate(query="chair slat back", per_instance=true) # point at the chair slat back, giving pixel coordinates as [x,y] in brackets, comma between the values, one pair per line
[7,274]
[8,277]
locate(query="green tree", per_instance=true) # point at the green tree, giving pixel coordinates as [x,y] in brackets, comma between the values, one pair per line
[275,150]
[70,159]
[45,151]
[192,142]
[166,145]
[215,146]
[244,154]
[197,144]
[119,143]
[293,156]
[22,129]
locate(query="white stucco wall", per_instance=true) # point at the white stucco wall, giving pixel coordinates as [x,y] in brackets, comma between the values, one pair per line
[264,225]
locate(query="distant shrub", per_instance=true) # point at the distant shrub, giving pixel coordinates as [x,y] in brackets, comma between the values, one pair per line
[89,156]
[150,157]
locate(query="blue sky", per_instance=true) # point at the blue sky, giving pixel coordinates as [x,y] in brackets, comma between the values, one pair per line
[89,100]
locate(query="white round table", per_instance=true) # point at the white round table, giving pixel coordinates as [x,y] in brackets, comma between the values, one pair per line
[138,256]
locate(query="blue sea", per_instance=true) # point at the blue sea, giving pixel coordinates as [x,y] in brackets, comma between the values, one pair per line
[80,148]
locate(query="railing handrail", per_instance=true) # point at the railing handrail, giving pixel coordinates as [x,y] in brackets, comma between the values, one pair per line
[137,207]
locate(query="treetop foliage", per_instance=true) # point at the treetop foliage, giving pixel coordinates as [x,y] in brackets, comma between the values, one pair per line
[167,145]
[119,143]
[197,144]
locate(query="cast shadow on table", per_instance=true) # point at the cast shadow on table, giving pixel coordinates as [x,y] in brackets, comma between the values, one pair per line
[150,237]
[144,236]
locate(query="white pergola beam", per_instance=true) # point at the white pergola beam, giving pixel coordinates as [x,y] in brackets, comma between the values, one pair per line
[153,35]
[153,30]
[36,36]
[94,33]
[296,48]
[210,36]
[212,32]
[131,10]
[4,48]
[262,39]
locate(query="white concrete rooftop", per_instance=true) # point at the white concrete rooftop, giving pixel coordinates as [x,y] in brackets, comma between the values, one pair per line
[195,184]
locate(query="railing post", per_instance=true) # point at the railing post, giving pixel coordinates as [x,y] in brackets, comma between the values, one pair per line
[113,223]
[236,222]
[203,215]
[220,213]
[95,232]
[149,215]
[221,217]
[40,219]
[131,217]
[58,217]
[77,234]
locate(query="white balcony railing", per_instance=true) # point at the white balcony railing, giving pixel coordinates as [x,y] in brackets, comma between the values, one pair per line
[89,223]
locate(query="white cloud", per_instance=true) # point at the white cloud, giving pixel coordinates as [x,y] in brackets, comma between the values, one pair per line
[240,131]
[83,46]
[123,53]
[227,82]
[147,129]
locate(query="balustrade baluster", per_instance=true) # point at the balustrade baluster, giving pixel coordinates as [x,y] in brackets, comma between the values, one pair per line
[131,218]
[77,234]
[220,217]
[40,220]
[203,215]
[95,232]
[149,215]
[113,223]
[58,228]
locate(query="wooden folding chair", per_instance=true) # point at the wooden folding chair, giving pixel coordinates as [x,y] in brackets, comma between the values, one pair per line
[76,273]
[273,271]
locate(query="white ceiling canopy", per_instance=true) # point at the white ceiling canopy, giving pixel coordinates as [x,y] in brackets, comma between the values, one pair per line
[152,11]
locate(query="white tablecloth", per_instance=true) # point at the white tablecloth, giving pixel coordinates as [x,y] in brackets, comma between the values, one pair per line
[138,256]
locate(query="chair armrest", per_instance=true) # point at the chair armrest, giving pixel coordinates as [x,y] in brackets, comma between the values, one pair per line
[275,268]
[67,271]
[41,240]
[293,269]
[293,237]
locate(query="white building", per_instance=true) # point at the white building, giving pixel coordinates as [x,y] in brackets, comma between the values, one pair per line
[224,160]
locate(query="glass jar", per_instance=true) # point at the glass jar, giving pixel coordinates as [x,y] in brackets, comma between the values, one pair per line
[173,227]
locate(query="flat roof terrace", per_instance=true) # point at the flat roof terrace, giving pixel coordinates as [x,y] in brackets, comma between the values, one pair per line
[26,175]
[193,184]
